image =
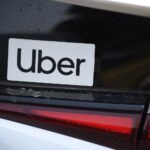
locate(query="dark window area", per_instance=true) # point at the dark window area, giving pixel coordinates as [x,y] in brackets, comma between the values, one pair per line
[122,41]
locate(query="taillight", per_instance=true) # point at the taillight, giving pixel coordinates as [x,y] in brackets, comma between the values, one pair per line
[114,129]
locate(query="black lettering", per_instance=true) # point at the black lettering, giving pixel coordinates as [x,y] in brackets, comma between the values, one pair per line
[32,68]
[61,65]
[79,62]
[41,59]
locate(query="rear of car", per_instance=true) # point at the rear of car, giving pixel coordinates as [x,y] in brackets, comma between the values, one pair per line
[74,77]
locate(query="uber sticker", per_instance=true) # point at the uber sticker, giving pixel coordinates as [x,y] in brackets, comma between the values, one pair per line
[51,62]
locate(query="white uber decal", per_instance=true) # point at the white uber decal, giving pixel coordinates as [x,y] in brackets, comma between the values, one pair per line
[51,62]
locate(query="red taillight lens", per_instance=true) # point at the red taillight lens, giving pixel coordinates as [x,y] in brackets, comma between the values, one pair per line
[109,128]
[105,121]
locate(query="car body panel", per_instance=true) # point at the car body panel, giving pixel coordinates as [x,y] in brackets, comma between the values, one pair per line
[135,7]
[16,136]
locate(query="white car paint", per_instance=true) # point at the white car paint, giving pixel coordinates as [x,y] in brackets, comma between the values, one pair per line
[17,136]
[135,7]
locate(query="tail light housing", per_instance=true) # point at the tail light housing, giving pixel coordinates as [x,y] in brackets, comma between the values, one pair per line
[111,128]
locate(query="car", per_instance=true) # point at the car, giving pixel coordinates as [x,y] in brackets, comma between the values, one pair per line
[74,75]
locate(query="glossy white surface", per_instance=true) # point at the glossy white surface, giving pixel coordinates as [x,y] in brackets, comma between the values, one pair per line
[17,136]
[135,7]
